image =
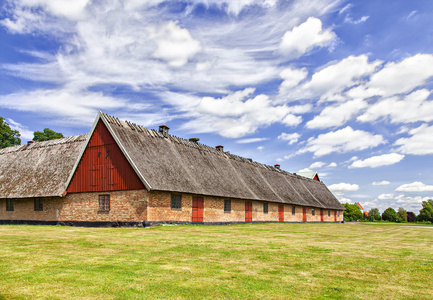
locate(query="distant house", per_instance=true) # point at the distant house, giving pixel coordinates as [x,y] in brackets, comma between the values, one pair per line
[365,213]
[309,174]
[124,174]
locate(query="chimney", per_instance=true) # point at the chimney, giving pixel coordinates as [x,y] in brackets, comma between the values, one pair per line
[277,166]
[164,129]
[30,142]
[219,148]
[194,140]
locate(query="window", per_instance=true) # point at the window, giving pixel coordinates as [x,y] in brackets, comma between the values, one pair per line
[313,213]
[38,204]
[265,208]
[176,201]
[227,206]
[293,210]
[104,203]
[9,205]
[329,213]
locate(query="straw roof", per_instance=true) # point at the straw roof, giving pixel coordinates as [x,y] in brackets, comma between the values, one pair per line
[40,169]
[169,163]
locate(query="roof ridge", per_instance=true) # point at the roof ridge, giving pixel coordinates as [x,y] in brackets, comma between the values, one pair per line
[43,144]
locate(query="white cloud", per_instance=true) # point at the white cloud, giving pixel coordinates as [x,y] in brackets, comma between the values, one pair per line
[332,165]
[415,187]
[378,161]
[260,148]
[386,196]
[420,142]
[304,170]
[402,77]
[343,187]
[291,137]
[384,182]
[349,20]
[305,37]
[407,109]
[291,78]
[237,115]
[334,116]
[174,44]
[25,133]
[251,140]
[342,141]
[317,165]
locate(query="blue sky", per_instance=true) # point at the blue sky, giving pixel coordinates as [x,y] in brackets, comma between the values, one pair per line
[339,87]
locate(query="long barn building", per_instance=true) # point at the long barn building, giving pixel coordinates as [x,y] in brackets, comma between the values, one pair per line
[123,174]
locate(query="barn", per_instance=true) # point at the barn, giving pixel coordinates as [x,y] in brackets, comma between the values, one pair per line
[122,174]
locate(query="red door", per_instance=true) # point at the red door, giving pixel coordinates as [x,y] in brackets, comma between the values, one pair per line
[197,209]
[335,216]
[281,213]
[321,215]
[304,214]
[248,212]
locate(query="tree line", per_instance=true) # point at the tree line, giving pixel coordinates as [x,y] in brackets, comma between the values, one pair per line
[354,213]
[10,137]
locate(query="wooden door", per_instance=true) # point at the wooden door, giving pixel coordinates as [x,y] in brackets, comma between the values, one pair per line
[281,213]
[335,216]
[321,215]
[197,209]
[248,212]
[304,214]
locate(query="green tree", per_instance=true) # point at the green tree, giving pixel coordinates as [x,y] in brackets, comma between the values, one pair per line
[390,215]
[402,214]
[8,136]
[352,213]
[48,134]
[375,214]
[426,213]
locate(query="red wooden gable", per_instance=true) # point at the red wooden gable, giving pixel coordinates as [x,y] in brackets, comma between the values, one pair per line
[103,166]
[316,177]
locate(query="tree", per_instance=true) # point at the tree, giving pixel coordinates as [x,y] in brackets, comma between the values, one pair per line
[390,215]
[402,214]
[375,214]
[48,134]
[352,212]
[426,213]
[411,217]
[8,136]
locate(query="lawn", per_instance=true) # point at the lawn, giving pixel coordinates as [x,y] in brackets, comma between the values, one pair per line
[251,261]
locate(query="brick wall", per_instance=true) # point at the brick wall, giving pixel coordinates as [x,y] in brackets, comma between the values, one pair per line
[125,206]
[159,208]
[24,209]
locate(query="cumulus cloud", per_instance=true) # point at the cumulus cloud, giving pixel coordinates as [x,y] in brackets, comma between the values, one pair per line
[343,187]
[415,187]
[291,78]
[378,161]
[420,142]
[174,44]
[405,109]
[290,137]
[334,116]
[305,37]
[317,165]
[342,141]
[384,182]
[238,114]
[332,165]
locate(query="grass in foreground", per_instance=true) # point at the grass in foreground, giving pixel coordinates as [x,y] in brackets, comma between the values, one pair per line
[252,261]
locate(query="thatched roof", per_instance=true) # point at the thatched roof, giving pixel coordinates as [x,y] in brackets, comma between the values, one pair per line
[40,169]
[169,163]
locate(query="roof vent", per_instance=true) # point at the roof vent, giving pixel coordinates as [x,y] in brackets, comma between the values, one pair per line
[30,142]
[219,148]
[194,140]
[164,129]
[277,166]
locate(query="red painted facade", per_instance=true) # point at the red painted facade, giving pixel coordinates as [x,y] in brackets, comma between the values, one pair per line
[321,215]
[103,166]
[304,214]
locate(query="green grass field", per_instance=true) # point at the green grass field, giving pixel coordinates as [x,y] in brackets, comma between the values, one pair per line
[252,261]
